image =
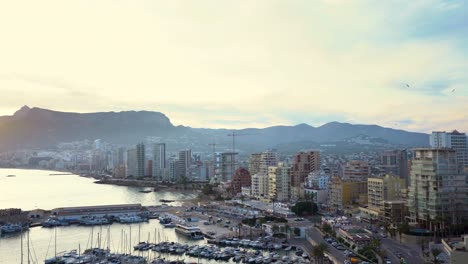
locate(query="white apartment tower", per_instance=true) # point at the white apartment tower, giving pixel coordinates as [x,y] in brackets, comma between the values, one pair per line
[159,160]
[454,140]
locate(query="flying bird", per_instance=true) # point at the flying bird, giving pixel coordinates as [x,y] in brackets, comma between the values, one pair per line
[407,85]
[453,90]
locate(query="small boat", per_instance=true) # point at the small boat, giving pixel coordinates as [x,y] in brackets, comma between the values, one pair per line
[11,175]
[165,220]
[11,228]
[166,201]
[145,191]
[169,225]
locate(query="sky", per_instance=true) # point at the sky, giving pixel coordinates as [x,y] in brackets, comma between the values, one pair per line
[237,64]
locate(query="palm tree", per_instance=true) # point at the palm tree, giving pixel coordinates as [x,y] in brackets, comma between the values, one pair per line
[318,251]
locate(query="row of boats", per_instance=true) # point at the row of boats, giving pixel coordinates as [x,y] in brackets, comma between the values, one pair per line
[12,228]
[95,220]
[96,255]
[213,252]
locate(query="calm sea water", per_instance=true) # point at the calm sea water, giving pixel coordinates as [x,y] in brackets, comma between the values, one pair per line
[37,189]
[32,189]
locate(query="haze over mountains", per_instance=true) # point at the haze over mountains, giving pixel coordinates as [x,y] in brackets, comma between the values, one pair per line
[35,128]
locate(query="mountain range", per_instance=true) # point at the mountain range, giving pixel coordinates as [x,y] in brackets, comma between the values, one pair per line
[35,128]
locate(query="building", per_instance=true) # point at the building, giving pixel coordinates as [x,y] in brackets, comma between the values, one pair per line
[454,140]
[381,189]
[318,180]
[260,185]
[355,170]
[225,166]
[76,213]
[240,179]
[320,197]
[438,192]
[260,162]
[182,165]
[246,191]
[140,160]
[346,194]
[159,160]
[283,182]
[254,163]
[273,178]
[395,162]
[394,212]
[303,164]
[131,168]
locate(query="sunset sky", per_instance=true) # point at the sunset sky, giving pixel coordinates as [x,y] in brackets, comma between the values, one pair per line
[239,64]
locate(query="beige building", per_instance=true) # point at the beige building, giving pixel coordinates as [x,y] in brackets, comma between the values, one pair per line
[260,185]
[279,182]
[346,194]
[260,162]
[355,170]
[380,189]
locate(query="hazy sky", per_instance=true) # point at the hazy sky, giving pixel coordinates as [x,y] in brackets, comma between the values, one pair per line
[241,63]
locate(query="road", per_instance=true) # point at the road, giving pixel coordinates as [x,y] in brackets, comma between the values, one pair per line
[336,255]
[410,252]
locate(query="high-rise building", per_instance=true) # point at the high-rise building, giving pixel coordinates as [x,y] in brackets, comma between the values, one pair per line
[303,164]
[454,140]
[141,160]
[279,185]
[184,160]
[254,163]
[438,191]
[355,170]
[225,166]
[283,183]
[381,189]
[159,160]
[131,168]
[241,179]
[259,162]
[260,185]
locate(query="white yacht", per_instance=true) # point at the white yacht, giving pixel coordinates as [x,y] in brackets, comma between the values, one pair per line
[192,232]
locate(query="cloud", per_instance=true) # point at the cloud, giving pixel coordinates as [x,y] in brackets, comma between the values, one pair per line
[250,63]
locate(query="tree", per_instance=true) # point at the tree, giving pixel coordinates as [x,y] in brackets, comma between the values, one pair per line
[303,208]
[403,228]
[327,228]
[318,251]
[435,252]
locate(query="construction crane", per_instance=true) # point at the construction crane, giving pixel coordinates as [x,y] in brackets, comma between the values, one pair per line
[234,134]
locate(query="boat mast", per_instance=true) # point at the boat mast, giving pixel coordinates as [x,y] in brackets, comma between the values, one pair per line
[92,234]
[130,241]
[21,245]
[55,242]
[28,249]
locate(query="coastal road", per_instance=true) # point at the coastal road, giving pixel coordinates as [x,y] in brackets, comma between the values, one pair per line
[336,255]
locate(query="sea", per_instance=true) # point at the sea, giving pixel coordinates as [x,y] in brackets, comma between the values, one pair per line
[31,189]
